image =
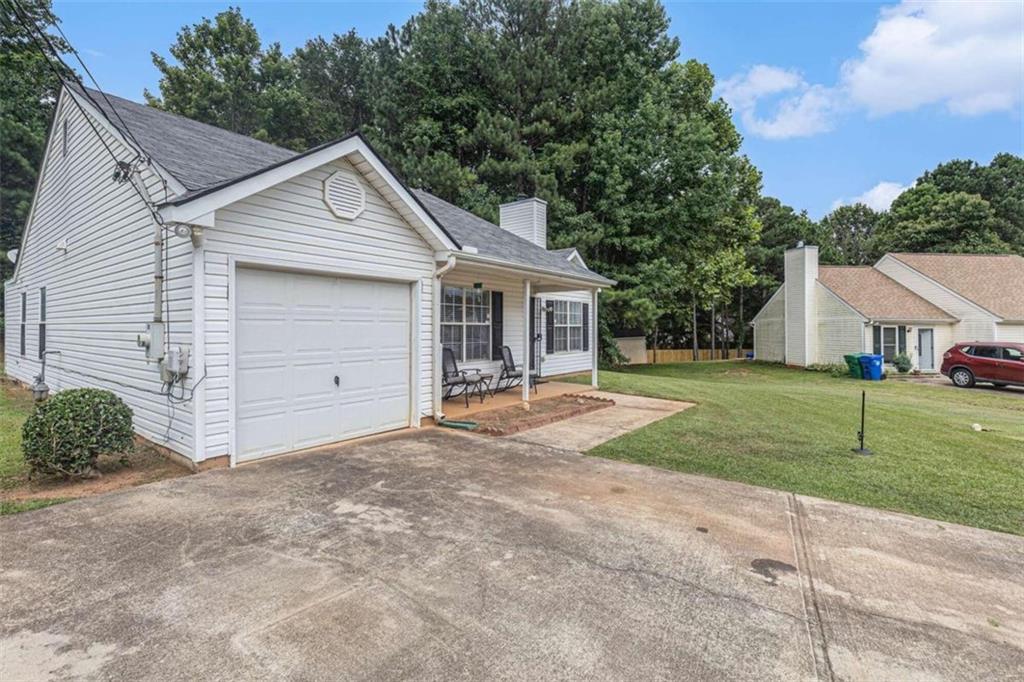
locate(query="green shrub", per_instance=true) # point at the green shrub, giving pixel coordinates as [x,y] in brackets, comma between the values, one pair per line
[69,431]
[902,363]
[835,370]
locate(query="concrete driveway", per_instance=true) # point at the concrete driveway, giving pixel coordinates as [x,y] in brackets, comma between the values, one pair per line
[440,555]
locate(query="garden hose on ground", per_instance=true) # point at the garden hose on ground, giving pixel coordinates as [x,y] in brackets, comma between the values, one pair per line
[452,424]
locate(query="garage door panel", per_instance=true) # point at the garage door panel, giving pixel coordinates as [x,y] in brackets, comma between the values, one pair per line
[295,333]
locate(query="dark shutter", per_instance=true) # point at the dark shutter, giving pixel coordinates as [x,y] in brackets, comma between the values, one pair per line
[497,324]
[549,327]
[877,333]
[24,304]
[42,322]
[901,344]
[586,326]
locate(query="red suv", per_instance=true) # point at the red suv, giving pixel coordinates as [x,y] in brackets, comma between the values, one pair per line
[999,363]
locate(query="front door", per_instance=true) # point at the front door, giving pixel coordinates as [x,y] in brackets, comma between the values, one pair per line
[926,350]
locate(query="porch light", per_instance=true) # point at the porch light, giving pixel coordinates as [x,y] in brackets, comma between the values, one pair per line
[478,285]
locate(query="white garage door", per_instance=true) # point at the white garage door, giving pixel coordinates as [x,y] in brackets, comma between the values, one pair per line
[317,359]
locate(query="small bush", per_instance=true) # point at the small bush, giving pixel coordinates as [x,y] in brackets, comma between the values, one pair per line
[835,370]
[69,431]
[902,363]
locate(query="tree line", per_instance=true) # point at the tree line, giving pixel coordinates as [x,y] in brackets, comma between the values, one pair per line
[584,104]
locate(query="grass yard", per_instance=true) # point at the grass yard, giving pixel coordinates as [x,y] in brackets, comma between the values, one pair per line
[793,430]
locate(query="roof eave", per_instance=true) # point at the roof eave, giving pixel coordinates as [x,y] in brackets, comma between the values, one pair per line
[588,281]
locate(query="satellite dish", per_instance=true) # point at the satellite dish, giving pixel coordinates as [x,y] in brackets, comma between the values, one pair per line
[12,255]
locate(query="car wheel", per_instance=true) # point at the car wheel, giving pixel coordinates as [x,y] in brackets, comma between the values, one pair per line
[962,377]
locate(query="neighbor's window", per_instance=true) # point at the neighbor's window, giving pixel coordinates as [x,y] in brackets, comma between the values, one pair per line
[890,341]
[24,317]
[568,326]
[466,323]
[42,322]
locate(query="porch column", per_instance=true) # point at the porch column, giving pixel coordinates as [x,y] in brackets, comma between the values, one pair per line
[526,341]
[593,337]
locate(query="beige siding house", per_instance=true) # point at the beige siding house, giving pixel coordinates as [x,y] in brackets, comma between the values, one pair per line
[918,304]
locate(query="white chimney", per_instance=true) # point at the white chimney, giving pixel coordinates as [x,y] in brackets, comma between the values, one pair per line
[527,217]
[801,275]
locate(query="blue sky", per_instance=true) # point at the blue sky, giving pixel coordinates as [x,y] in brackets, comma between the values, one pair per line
[836,101]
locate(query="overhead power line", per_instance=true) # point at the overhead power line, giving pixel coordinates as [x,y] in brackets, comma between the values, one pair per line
[51,55]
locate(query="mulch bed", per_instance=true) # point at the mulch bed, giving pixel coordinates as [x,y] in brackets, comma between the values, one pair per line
[145,464]
[504,421]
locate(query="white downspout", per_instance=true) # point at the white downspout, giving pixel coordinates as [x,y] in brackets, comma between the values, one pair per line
[435,336]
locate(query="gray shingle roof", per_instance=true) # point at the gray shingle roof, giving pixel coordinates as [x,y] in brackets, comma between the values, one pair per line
[202,156]
[198,155]
[490,240]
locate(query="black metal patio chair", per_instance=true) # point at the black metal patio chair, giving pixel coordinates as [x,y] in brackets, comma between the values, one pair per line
[453,378]
[511,376]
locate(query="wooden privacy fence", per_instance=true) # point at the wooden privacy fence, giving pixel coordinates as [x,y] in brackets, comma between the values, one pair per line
[665,355]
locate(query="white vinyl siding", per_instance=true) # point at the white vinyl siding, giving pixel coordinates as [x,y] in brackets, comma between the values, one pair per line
[1010,332]
[839,328]
[770,330]
[99,290]
[575,359]
[290,225]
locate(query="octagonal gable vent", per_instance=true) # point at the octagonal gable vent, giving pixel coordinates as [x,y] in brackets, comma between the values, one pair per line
[344,194]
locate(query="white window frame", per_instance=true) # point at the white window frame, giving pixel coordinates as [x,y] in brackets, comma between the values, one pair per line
[895,343]
[463,324]
[568,316]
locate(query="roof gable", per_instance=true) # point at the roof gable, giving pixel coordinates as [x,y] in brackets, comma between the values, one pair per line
[991,281]
[877,296]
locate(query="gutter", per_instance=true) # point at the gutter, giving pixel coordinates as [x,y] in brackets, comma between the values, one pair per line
[435,337]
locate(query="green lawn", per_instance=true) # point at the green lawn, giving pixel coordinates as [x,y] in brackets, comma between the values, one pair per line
[793,430]
[15,406]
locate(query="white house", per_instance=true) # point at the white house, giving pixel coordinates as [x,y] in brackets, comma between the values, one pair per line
[914,303]
[272,300]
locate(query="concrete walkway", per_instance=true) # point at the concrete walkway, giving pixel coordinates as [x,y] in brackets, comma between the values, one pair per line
[587,431]
[442,555]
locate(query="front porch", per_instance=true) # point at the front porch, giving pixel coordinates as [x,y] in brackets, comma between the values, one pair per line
[548,322]
[455,408]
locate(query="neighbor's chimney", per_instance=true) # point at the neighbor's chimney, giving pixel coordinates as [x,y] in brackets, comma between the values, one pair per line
[801,275]
[527,217]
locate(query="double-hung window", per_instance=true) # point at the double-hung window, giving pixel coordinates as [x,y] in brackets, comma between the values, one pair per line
[568,327]
[466,323]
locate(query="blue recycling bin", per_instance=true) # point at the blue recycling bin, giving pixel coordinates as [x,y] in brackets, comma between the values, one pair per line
[872,366]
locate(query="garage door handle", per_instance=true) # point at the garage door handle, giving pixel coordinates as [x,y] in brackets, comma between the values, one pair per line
[337,380]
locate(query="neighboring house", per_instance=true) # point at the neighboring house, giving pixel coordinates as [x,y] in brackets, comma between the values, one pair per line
[914,303]
[292,299]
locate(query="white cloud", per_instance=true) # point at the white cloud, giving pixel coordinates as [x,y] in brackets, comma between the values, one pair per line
[93,53]
[802,109]
[879,197]
[967,56]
